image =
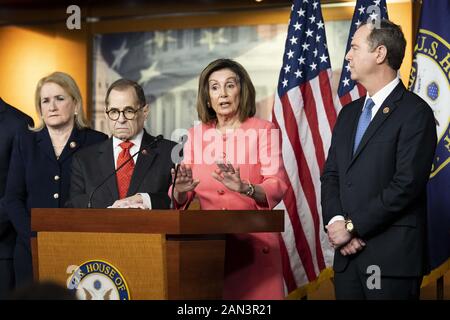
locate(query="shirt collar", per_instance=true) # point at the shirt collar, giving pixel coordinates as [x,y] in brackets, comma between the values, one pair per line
[137,140]
[379,97]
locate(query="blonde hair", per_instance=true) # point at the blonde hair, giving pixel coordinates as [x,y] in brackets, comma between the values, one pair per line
[66,82]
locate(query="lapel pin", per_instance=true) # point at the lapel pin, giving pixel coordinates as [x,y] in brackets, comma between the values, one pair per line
[73,144]
[386,110]
[144,152]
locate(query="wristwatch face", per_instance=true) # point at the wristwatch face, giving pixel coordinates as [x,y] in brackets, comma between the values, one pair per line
[349,226]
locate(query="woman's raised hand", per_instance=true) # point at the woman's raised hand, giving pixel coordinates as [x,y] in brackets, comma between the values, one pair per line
[184,182]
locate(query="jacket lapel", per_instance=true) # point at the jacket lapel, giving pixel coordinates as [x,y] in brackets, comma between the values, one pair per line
[353,125]
[45,144]
[74,143]
[145,160]
[106,158]
[378,120]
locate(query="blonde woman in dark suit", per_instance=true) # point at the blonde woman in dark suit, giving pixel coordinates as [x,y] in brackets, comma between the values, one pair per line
[39,174]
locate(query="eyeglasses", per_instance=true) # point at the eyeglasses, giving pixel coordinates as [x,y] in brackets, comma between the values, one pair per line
[129,113]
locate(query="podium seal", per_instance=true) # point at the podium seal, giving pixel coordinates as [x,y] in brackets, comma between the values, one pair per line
[97,280]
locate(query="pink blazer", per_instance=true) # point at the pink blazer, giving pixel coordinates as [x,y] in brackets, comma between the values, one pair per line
[253,261]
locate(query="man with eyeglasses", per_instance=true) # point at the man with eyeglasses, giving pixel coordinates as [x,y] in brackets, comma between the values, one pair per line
[140,182]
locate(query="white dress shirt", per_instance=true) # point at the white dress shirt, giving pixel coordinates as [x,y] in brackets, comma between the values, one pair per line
[378,98]
[137,140]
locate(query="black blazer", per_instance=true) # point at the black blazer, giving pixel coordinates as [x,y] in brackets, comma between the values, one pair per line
[37,179]
[93,165]
[12,121]
[382,188]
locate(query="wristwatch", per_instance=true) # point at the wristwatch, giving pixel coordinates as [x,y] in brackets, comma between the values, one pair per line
[349,226]
[251,190]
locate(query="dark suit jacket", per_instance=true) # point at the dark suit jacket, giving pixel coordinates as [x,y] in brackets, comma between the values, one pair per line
[37,179]
[12,121]
[382,188]
[93,165]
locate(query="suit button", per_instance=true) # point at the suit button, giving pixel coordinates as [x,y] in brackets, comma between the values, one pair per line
[266,250]
[56,178]
[56,196]
[220,192]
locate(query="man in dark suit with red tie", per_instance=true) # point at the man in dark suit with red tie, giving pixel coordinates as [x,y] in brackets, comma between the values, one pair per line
[374,179]
[12,121]
[141,182]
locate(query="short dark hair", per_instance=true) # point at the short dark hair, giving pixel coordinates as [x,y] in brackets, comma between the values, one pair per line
[247,103]
[391,36]
[123,84]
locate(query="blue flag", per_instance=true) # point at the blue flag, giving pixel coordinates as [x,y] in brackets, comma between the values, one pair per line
[430,78]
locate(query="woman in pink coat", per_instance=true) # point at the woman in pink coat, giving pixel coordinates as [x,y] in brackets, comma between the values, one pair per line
[232,161]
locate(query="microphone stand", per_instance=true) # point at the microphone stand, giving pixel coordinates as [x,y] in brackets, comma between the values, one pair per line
[179,156]
[172,197]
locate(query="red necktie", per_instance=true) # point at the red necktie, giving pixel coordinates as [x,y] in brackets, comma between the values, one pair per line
[124,174]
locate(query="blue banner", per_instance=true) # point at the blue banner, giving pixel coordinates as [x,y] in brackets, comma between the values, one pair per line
[430,78]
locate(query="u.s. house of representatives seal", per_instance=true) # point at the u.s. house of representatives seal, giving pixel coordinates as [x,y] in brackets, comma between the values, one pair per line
[430,76]
[97,280]
[430,79]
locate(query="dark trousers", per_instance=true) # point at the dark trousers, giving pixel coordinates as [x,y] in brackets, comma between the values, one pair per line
[23,265]
[352,284]
[6,277]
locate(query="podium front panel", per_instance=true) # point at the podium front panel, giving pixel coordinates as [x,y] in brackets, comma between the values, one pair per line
[126,266]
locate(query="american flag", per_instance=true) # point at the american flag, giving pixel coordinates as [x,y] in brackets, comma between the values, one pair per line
[305,114]
[365,10]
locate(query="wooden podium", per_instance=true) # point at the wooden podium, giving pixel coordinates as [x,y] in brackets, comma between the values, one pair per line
[160,254]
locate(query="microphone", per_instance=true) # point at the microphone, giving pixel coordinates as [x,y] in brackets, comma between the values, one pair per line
[142,149]
[177,157]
